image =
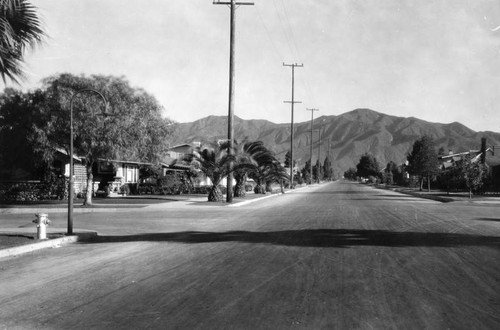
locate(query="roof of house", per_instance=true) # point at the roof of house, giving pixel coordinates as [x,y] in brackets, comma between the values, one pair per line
[180,145]
[75,157]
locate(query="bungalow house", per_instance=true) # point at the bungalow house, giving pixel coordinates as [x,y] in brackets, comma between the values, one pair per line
[491,161]
[175,161]
[113,172]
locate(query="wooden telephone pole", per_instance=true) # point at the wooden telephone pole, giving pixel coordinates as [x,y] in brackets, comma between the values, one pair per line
[310,165]
[292,102]
[230,131]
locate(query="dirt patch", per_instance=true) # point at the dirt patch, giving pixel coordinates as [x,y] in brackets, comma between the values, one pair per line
[13,239]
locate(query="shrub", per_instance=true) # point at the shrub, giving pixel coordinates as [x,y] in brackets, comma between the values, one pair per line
[56,188]
[202,190]
[125,189]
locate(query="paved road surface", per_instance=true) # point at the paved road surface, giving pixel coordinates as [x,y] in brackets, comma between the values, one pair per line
[336,256]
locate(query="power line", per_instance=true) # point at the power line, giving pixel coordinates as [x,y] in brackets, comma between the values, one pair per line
[284,31]
[290,27]
[297,50]
[268,34]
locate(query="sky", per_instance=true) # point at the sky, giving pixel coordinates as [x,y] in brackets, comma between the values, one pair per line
[437,60]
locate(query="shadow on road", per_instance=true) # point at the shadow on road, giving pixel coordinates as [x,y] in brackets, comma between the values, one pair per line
[489,219]
[335,238]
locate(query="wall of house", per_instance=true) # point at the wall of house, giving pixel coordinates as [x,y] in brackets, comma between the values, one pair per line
[80,179]
[128,172]
[180,152]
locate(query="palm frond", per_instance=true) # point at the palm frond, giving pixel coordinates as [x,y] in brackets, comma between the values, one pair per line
[20,29]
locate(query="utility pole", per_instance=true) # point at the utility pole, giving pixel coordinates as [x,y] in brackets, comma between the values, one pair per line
[319,153]
[312,118]
[230,131]
[293,66]
[329,159]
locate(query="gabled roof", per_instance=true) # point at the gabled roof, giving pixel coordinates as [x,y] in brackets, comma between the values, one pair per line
[124,161]
[181,145]
[75,157]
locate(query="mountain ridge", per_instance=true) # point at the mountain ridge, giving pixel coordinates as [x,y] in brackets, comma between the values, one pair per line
[344,137]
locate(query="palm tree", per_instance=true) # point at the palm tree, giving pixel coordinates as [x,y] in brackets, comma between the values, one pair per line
[268,171]
[20,29]
[214,163]
[248,158]
[275,173]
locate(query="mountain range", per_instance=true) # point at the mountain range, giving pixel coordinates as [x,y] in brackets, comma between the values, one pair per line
[344,138]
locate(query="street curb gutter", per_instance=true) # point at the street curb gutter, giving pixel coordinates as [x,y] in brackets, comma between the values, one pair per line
[50,243]
[253,200]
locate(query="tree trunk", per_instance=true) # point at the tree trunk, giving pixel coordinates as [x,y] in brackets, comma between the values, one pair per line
[421,183]
[239,188]
[269,188]
[90,187]
[429,183]
[215,194]
[470,193]
[259,189]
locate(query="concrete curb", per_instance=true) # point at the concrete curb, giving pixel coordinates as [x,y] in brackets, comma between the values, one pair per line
[27,210]
[50,243]
[253,200]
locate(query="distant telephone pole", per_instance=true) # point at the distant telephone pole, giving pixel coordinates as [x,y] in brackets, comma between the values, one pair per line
[312,118]
[230,132]
[292,102]
[319,153]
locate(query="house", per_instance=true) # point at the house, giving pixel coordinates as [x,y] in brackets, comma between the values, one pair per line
[105,172]
[182,151]
[491,161]
[176,161]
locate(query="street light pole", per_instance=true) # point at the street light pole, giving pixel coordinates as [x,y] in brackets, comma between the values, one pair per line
[71,166]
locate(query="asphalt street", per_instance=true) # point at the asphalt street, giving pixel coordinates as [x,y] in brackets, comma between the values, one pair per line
[333,256]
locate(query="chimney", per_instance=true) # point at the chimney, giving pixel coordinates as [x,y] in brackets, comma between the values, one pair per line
[483,150]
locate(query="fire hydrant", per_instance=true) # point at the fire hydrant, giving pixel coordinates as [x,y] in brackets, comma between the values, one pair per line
[42,221]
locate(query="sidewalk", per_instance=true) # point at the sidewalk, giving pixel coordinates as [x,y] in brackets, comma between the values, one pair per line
[444,197]
[18,240]
[115,204]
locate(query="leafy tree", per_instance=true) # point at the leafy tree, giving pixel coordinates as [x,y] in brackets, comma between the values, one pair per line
[451,178]
[368,166]
[391,173]
[306,172]
[288,157]
[135,130]
[327,169]
[298,178]
[351,174]
[423,160]
[19,115]
[474,174]
[20,29]
[317,173]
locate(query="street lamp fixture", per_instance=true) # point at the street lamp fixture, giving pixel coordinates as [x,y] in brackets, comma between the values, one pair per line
[71,166]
